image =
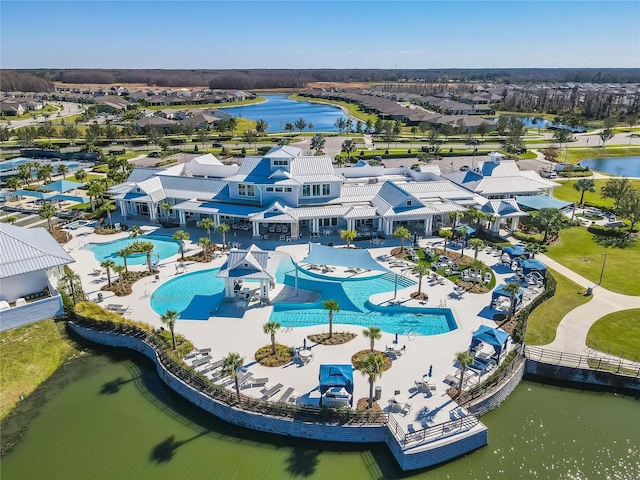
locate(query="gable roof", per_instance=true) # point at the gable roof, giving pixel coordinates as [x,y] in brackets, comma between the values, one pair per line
[250,263]
[24,250]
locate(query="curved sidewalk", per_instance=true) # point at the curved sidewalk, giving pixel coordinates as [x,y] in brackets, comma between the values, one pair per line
[571,334]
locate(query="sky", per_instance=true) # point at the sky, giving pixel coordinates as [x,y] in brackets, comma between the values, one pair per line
[328,34]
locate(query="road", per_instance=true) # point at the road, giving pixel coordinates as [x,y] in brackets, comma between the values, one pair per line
[68,109]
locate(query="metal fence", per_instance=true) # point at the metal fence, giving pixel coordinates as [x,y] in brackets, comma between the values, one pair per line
[491,383]
[608,350]
[592,361]
[431,433]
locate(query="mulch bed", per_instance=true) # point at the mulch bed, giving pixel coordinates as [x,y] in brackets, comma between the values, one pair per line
[363,404]
[510,326]
[131,278]
[387,360]
[398,252]
[60,235]
[419,296]
[265,357]
[199,257]
[338,338]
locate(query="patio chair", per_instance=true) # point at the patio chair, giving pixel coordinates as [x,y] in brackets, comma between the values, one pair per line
[406,408]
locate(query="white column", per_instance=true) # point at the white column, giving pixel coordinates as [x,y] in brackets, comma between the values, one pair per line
[152,210]
[228,287]
[216,219]
[495,226]
[514,223]
[380,224]
[314,225]
[428,225]
[349,224]
[256,228]
[183,218]
[123,207]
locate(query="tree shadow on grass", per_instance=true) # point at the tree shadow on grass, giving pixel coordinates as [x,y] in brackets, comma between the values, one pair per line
[302,463]
[165,450]
[113,386]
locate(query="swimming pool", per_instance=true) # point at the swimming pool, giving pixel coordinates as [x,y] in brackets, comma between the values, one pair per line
[165,247]
[12,164]
[196,295]
[79,223]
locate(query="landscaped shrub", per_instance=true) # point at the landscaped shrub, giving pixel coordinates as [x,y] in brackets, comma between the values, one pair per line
[606,231]
[523,237]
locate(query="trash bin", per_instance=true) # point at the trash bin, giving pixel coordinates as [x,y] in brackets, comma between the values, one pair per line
[589,291]
[378,395]
[100,297]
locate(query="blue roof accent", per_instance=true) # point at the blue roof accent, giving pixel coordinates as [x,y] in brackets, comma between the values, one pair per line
[31,193]
[132,195]
[72,198]
[237,210]
[332,376]
[492,336]
[536,202]
[342,257]
[500,292]
[61,186]
[515,251]
[533,264]
[470,230]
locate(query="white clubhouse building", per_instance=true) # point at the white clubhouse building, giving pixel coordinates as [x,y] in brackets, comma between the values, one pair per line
[287,195]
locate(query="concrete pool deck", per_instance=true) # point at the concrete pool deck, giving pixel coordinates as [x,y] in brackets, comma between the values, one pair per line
[243,332]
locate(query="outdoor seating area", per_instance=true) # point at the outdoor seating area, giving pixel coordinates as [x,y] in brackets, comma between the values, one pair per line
[396,350]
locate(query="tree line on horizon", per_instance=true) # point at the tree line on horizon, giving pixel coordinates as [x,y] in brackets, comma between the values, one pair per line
[248,79]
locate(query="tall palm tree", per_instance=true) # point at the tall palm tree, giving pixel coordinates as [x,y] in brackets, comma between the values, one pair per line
[584,185]
[373,334]
[371,365]
[107,208]
[124,253]
[108,265]
[465,360]
[403,234]
[207,224]
[462,231]
[476,244]
[420,270]
[204,243]
[13,183]
[332,306]
[120,270]
[47,210]
[270,328]
[71,277]
[534,248]
[513,289]
[349,236]
[169,319]
[222,229]
[135,232]
[455,216]
[166,206]
[446,234]
[548,220]
[147,248]
[231,365]
[181,236]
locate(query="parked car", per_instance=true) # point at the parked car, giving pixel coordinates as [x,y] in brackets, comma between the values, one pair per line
[548,174]
[217,145]
[464,168]
[154,155]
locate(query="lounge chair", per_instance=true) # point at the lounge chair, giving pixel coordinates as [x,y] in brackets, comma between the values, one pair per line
[256,382]
[406,408]
[287,393]
[267,393]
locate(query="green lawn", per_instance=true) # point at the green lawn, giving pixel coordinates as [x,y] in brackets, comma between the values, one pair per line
[567,193]
[211,105]
[618,332]
[544,320]
[577,251]
[576,154]
[29,355]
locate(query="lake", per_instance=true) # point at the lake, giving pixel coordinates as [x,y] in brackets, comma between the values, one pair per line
[620,166]
[541,123]
[278,110]
[109,416]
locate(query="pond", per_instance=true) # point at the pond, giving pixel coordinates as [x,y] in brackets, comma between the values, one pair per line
[620,166]
[541,123]
[279,110]
[109,416]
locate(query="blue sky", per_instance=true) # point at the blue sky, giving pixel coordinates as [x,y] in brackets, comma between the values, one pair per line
[329,34]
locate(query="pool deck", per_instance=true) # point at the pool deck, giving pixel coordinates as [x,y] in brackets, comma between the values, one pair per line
[242,331]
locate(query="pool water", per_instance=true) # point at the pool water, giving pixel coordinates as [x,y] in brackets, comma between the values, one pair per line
[197,295]
[12,164]
[165,247]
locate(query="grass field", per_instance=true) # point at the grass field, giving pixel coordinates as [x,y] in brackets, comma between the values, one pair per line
[618,332]
[567,193]
[544,320]
[29,355]
[577,251]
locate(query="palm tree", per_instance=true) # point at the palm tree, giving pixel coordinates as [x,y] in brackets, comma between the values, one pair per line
[464,359]
[63,170]
[181,236]
[533,248]
[107,208]
[169,319]
[446,234]
[204,243]
[11,219]
[207,224]
[349,236]
[403,234]
[120,270]
[166,206]
[373,334]
[47,210]
[270,328]
[124,253]
[372,366]
[462,231]
[147,248]
[420,270]
[455,216]
[25,173]
[223,228]
[231,365]
[584,185]
[348,146]
[13,183]
[476,244]
[135,232]
[71,277]
[548,220]
[108,265]
[332,306]
[513,289]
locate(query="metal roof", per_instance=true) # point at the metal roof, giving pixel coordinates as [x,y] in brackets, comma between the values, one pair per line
[24,250]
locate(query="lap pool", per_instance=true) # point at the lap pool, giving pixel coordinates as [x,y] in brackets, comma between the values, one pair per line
[197,295]
[164,247]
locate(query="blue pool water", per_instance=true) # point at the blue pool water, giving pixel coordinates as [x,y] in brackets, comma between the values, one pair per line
[164,248]
[9,165]
[541,123]
[621,166]
[197,295]
[278,110]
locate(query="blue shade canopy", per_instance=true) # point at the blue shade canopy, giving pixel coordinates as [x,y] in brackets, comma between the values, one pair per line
[491,336]
[470,230]
[31,193]
[500,292]
[61,186]
[515,251]
[332,376]
[531,264]
[342,257]
[536,202]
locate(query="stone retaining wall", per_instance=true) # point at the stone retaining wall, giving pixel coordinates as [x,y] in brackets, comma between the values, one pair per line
[493,400]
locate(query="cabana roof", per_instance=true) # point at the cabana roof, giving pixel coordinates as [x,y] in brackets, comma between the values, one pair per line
[533,264]
[246,264]
[61,186]
[500,292]
[342,257]
[516,251]
[332,376]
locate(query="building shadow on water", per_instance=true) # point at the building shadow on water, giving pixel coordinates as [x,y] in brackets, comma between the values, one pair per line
[302,463]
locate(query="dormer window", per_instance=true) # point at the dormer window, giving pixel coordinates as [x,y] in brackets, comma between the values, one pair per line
[408,203]
[280,163]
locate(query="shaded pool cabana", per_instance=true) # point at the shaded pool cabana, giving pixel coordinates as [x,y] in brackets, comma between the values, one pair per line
[250,264]
[470,230]
[336,376]
[342,257]
[500,292]
[495,337]
[533,265]
[515,251]
[61,186]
